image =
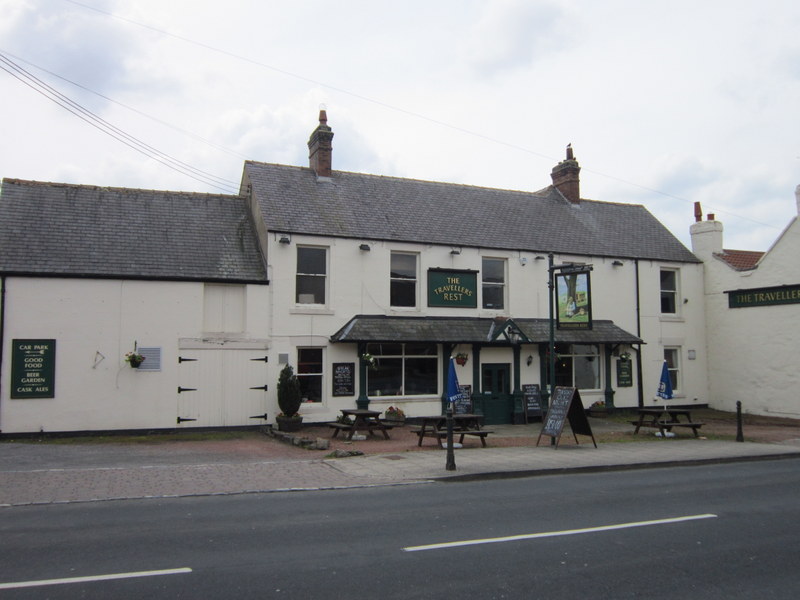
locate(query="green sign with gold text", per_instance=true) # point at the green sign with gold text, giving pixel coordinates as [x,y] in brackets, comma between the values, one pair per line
[453,288]
[33,369]
[785,294]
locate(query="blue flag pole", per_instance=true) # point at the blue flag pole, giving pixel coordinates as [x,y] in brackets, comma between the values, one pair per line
[453,392]
[665,384]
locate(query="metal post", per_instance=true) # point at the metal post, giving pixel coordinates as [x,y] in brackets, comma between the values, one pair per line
[552,346]
[451,457]
[739,434]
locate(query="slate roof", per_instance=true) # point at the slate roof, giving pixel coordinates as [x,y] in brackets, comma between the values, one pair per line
[55,229]
[741,260]
[370,207]
[455,330]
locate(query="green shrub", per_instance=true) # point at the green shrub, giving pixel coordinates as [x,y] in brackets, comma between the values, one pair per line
[289,395]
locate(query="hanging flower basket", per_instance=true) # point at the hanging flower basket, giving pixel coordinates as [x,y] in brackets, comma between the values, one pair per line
[461,359]
[134,359]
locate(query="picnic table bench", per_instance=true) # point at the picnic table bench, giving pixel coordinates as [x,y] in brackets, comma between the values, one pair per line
[364,420]
[435,426]
[664,419]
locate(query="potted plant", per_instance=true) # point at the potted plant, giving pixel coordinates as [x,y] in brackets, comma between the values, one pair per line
[289,400]
[598,409]
[395,416]
[134,359]
[461,358]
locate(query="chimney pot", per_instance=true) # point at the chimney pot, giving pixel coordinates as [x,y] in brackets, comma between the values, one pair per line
[698,212]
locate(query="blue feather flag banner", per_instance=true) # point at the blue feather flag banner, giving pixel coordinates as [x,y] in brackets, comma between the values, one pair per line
[453,389]
[665,384]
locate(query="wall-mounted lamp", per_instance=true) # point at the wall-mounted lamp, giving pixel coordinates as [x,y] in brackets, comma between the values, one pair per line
[540,258]
[523,260]
[529,360]
[364,247]
[285,239]
[617,263]
[455,251]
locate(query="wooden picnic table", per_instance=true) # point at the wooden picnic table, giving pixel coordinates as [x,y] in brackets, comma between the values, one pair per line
[363,419]
[435,426]
[665,419]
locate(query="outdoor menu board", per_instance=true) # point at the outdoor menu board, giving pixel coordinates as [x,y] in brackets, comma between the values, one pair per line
[463,404]
[533,400]
[344,379]
[566,405]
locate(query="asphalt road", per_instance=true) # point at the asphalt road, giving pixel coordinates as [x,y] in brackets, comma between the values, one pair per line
[721,531]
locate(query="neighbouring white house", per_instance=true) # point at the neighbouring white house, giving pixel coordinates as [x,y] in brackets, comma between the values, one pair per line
[365,284]
[752,321]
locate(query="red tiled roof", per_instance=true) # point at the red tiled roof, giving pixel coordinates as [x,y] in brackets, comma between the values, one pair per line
[741,260]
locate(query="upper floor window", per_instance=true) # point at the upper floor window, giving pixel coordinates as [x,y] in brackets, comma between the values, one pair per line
[493,272]
[669,291]
[312,272]
[403,280]
[309,373]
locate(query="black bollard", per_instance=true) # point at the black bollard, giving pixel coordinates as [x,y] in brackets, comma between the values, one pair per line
[451,456]
[739,434]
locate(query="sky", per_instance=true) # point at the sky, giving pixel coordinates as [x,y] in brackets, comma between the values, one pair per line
[665,103]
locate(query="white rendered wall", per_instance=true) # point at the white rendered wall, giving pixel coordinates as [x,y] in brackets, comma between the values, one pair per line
[753,350]
[94,323]
[358,283]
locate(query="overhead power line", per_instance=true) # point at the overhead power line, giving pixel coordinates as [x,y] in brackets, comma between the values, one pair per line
[396,108]
[52,94]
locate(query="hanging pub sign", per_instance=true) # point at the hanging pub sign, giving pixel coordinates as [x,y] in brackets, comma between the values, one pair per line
[33,369]
[453,288]
[573,299]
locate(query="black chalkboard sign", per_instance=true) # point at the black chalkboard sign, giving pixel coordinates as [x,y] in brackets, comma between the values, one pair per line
[463,404]
[344,379]
[566,405]
[533,400]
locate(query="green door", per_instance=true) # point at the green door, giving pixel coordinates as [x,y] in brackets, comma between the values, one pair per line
[498,404]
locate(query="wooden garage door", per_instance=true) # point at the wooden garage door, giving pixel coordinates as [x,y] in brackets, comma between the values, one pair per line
[221,388]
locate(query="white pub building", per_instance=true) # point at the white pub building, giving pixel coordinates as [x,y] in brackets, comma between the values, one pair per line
[365,284]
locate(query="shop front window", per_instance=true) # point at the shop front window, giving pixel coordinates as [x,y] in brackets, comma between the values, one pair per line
[402,370]
[577,365]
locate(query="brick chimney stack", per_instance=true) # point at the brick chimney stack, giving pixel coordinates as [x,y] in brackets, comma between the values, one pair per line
[320,150]
[565,176]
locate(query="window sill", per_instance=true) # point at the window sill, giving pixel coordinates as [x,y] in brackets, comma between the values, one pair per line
[671,318]
[310,310]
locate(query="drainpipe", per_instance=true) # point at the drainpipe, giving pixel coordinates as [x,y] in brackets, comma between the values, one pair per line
[2,330]
[639,386]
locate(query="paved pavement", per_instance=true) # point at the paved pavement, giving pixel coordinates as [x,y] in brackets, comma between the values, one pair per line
[56,473]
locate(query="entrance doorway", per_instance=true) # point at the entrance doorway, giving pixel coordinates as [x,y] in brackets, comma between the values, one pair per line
[498,405]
